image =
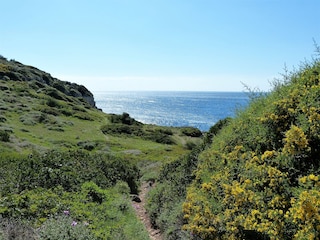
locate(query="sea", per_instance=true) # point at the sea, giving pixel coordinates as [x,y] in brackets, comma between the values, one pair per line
[179,109]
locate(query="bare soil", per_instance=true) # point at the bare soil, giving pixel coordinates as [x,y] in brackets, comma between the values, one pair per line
[141,212]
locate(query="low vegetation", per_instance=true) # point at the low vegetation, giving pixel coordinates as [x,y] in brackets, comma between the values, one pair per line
[125,125]
[255,176]
[165,200]
[83,194]
[67,170]
[260,177]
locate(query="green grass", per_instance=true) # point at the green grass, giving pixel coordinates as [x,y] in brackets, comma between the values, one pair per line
[38,184]
[57,130]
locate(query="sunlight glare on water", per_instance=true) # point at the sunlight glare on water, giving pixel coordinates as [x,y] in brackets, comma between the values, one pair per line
[196,109]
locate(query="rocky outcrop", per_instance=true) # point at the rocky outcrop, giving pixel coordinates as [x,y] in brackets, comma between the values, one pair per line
[16,71]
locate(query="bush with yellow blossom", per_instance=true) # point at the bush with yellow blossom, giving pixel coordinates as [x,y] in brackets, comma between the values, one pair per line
[260,179]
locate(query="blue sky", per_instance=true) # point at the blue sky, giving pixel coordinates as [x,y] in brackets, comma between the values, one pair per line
[202,45]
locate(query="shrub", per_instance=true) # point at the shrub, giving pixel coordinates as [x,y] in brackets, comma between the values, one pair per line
[68,112]
[83,116]
[36,205]
[51,102]
[93,188]
[64,227]
[190,145]
[191,132]
[215,129]
[116,129]
[36,84]
[4,68]
[122,188]
[54,93]
[90,213]
[49,110]
[165,131]
[260,177]
[159,137]
[124,118]
[66,169]
[111,218]
[16,229]
[78,108]
[4,136]
[60,86]
[87,145]
[165,200]
[4,88]
[33,118]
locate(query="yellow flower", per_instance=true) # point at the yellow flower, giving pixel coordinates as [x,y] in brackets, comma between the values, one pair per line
[295,140]
[303,180]
[312,177]
[247,181]
[267,154]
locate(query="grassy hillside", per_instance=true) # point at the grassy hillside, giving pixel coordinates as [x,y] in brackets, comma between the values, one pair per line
[39,113]
[260,177]
[255,176]
[66,168]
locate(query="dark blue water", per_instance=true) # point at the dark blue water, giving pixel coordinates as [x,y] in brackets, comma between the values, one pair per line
[197,109]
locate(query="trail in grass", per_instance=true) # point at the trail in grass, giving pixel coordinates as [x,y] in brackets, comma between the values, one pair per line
[141,212]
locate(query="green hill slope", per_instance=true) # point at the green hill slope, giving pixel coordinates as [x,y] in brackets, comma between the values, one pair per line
[39,112]
[66,168]
[260,178]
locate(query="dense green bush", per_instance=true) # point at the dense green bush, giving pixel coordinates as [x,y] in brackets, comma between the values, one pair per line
[215,129]
[260,177]
[51,102]
[87,145]
[164,130]
[156,135]
[83,116]
[191,132]
[66,169]
[78,108]
[124,118]
[49,110]
[159,136]
[54,93]
[36,205]
[4,136]
[116,129]
[93,188]
[59,85]
[2,118]
[165,200]
[90,213]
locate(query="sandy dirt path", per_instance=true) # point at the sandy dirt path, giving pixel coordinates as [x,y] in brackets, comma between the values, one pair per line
[141,212]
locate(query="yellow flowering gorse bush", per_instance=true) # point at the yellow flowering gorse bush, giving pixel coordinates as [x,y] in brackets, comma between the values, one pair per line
[260,178]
